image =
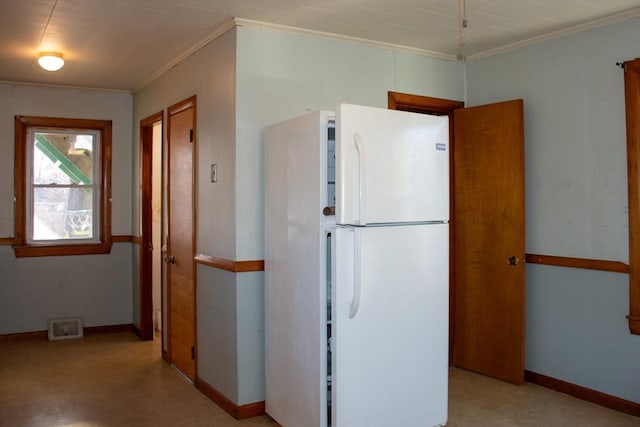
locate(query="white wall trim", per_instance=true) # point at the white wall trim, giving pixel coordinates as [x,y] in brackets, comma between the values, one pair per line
[58,86]
[217,32]
[631,13]
[367,42]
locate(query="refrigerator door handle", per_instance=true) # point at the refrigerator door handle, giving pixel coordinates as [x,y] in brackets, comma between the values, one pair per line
[362,183]
[357,274]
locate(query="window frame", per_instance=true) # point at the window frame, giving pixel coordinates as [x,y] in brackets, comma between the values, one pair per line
[102,243]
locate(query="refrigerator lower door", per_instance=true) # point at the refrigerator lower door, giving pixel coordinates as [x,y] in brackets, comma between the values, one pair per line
[390,336]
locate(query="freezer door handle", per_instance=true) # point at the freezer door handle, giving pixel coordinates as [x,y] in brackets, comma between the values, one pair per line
[362,183]
[357,274]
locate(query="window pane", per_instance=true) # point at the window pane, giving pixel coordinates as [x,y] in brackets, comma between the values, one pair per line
[63,158]
[62,213]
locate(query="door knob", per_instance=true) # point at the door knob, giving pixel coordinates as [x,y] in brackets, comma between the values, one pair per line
[170,259]
[514,260]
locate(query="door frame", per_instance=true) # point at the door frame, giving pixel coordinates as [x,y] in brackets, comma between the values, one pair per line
[438,107]
[146,250]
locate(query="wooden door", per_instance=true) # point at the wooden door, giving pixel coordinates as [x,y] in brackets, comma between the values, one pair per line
[489,245]
[180,239]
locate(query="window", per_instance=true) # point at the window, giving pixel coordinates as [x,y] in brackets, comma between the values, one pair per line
[62,186]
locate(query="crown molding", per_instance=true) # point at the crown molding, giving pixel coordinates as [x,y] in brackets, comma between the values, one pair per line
[57,86]
[611,19]
[217,32]
[259,25]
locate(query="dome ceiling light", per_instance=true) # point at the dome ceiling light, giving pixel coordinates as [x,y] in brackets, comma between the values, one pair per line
[51,61]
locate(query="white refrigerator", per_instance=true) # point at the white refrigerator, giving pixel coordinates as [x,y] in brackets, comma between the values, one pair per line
[357,269]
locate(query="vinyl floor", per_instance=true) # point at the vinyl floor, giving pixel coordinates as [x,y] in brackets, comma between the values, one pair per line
[106,380]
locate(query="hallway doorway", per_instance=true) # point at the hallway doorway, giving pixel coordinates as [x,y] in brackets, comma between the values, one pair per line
[151,274]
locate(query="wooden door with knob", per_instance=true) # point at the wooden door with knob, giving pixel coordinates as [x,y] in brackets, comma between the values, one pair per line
[181,315]
[489,229]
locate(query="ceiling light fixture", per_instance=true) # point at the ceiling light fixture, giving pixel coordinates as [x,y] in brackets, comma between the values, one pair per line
[51,61]
[462,24]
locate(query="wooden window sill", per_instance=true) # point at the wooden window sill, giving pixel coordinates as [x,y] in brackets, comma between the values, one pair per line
[62,250]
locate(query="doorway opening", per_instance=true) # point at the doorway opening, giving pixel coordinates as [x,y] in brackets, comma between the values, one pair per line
[151,241]
[436,107]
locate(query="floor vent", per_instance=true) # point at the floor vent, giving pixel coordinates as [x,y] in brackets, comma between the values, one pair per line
[65,328]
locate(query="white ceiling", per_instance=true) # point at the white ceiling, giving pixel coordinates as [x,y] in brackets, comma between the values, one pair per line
[122,44]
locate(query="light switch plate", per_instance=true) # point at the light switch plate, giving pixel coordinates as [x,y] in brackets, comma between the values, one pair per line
[214,172]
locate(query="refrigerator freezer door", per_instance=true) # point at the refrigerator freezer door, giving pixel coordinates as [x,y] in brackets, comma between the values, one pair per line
[389,358]
[391,166]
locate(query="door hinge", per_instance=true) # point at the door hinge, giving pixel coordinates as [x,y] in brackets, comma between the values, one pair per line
[190,135]
[193,353]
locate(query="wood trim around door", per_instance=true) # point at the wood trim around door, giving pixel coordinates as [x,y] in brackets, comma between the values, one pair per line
[422,104]
[632,107]
[438,107]
[145,248]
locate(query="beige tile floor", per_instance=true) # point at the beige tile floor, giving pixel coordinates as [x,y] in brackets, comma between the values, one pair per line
[116,380]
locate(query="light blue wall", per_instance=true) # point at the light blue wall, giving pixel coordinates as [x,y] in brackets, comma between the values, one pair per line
[250,324]
[97,287]
[282,75]
[218,330]
[279,76]
[577,332]
[576,200]
[422,75]
[209,74]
